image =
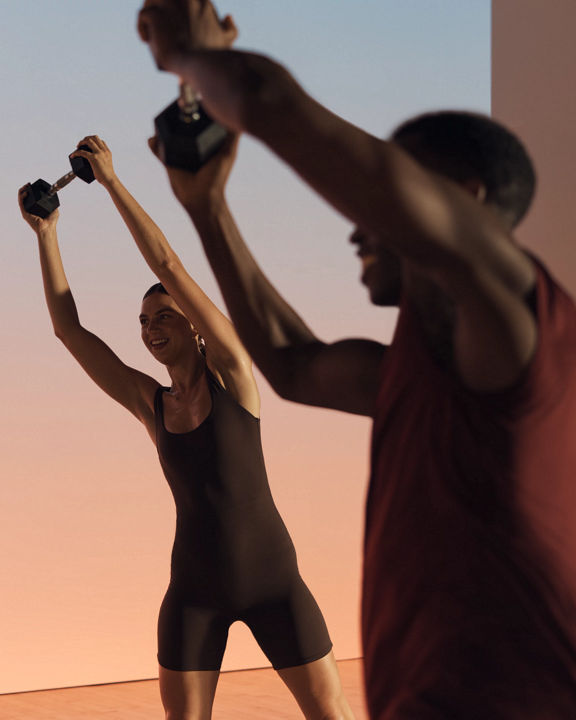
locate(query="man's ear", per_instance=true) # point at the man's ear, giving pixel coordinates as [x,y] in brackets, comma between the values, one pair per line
[229,27]
[476,188]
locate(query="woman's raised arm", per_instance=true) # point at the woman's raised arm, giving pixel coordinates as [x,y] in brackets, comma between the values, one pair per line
[131,388]
[225,352]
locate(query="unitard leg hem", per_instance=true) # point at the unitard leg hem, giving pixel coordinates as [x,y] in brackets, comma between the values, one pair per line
[166,666]
[306,661]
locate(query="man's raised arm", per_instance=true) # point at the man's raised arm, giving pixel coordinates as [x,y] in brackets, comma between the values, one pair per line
[437,226]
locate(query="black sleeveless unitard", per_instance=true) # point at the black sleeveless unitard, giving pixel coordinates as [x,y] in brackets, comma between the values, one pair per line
[233,558]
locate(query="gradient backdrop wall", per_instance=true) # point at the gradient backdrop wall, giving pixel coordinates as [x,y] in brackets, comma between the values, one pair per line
[533,91]
[533,60]
[87,519]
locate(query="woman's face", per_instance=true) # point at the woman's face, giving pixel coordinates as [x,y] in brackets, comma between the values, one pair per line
[165,330]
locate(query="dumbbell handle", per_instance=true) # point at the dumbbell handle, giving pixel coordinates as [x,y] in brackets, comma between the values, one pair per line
[62,182]
[188,103]
[42,198]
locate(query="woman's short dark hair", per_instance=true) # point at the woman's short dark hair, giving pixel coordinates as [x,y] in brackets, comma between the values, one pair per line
[156,288]
[465,146]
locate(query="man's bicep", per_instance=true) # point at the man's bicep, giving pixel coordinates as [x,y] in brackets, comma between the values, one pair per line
[342,376]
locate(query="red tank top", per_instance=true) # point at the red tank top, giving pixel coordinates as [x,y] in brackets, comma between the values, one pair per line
[470,547]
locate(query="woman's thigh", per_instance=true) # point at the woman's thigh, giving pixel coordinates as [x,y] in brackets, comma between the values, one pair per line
[291,629]
[190,637]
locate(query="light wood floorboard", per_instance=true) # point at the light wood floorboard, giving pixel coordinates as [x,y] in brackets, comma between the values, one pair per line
[246,695]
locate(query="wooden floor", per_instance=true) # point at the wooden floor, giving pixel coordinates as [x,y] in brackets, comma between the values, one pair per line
[247,695]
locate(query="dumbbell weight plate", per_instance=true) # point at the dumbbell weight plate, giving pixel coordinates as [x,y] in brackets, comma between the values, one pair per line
[81,166]
[38,202]
[187,145]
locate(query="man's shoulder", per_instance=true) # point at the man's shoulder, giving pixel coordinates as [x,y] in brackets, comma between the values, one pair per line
[553,300]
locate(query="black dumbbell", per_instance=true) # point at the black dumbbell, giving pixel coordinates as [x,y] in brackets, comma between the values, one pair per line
[187,136]
[42,198]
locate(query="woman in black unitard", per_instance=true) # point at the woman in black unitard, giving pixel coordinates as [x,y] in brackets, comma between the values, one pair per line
[232,557]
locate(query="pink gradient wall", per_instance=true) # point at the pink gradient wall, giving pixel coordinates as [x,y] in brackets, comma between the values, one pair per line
[534,92]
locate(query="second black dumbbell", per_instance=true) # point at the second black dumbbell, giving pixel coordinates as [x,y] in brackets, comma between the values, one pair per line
[42,198]
[187,136]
